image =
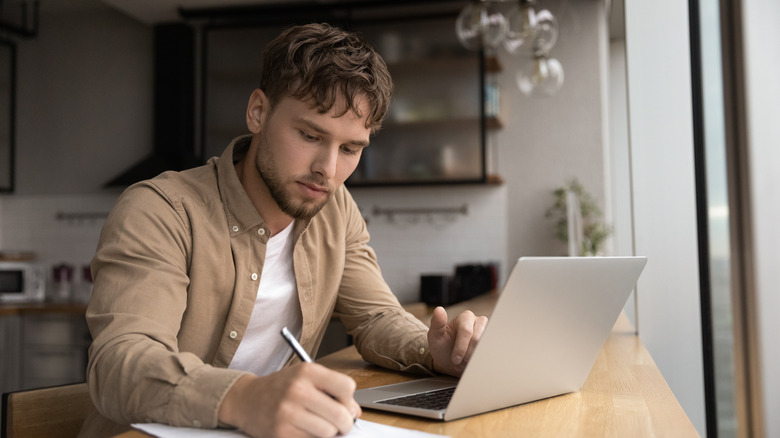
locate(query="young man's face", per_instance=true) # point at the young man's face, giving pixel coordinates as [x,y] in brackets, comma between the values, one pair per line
[304,156]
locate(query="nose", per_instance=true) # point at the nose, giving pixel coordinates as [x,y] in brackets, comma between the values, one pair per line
[326,161]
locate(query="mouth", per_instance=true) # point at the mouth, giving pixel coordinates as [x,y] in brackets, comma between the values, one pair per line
[313,190]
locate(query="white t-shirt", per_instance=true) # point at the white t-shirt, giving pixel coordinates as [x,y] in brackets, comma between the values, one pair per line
[262,349]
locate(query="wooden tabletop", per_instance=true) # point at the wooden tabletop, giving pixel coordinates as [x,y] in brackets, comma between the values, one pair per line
[625,395]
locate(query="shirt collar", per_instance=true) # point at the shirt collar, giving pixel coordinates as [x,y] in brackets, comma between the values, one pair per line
[239,210]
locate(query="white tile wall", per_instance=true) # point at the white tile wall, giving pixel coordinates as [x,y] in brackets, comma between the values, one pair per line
[407,245]
[410,245]
[29,223]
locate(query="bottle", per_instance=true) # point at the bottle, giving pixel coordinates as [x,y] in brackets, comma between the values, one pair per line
[63,283]
[84,290]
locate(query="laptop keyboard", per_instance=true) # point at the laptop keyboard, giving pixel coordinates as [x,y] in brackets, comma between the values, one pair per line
[437,399]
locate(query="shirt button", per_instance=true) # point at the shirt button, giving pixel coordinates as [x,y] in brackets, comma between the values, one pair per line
[235,228]
[196,424]
[261,231]
[233,334]
[254,276]
[422,351]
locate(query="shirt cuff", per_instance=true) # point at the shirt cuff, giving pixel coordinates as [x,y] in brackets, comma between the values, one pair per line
[196,399]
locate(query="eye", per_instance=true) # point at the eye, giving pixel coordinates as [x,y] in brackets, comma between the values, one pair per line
[347,150]
[308,137]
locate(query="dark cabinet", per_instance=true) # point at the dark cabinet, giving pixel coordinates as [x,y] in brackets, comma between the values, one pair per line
[42,345]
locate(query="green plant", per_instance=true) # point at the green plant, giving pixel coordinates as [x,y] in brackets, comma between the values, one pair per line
[594,230]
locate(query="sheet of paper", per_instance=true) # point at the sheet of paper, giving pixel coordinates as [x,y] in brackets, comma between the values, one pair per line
[362,429]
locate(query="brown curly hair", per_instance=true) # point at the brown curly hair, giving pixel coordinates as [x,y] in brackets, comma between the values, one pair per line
[320,62]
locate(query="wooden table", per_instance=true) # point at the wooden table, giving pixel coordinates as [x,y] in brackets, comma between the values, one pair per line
[625,395]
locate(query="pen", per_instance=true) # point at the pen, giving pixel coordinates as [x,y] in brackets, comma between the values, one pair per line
[298,349]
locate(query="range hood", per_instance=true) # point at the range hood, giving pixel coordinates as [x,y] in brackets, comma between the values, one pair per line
[174,106]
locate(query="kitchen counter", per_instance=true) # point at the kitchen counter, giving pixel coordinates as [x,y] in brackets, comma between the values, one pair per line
[71,308]
[42,344]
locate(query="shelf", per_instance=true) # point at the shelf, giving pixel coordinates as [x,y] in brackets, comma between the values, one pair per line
[493,123]
[490,180]
[429,122]
[434,65]
[493,65]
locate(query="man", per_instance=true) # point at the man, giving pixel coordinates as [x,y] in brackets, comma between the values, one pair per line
[197,271]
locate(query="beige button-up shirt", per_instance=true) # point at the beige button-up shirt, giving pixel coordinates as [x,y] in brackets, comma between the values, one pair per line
[176,274]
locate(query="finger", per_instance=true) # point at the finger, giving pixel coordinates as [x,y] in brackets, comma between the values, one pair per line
[479,327]
[339,386]
[333,412]
[464,329]
[438,320]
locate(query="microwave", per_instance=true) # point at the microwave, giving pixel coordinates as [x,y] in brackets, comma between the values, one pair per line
[22,282]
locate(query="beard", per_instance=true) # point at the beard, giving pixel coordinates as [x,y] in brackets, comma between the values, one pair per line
[280,189]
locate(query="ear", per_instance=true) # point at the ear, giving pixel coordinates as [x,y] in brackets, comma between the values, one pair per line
[257,111]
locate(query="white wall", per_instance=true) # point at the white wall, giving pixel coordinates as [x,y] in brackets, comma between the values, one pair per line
[548,141]
[31,223]
[661,136]
[762,62]
[84,99]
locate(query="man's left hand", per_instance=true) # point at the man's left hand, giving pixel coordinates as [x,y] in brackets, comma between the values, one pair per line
[453,342]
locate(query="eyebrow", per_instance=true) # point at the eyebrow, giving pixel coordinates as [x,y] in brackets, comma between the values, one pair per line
[315,127]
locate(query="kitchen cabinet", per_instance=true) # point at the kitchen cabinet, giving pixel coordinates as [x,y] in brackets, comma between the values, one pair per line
[42,345]
[435,130]
[54,350]
[10,357]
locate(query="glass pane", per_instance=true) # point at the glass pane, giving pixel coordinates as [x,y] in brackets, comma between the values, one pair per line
[718,217]
[433,130]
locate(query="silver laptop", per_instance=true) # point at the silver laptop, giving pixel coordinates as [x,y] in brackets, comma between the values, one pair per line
[542,339]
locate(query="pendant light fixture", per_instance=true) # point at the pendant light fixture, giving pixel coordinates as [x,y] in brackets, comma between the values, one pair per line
[524,31]
[480,24]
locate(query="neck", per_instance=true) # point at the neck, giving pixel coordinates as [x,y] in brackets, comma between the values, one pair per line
[254,186]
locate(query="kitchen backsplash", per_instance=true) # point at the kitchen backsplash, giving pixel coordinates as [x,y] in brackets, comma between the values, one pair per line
[65,229]
[429,230]
[58,229]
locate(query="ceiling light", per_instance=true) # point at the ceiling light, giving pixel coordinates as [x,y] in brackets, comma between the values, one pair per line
[523,31]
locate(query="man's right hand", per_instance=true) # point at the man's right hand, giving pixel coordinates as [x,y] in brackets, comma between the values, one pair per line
[305,400]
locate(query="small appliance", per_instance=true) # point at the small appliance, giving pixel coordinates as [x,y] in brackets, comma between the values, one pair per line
[22,281]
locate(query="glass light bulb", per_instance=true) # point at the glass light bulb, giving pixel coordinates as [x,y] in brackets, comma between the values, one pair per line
[546,32]
[480,25]
[542,77]
[521,27]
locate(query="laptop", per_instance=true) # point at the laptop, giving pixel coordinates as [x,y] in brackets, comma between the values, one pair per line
[542,339]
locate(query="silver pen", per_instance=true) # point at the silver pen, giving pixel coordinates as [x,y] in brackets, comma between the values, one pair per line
[297,348]
[302,354]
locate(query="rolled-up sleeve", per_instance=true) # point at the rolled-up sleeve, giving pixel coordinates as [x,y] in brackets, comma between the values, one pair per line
[384,333]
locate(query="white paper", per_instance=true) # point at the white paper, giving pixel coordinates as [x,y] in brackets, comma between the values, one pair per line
[362,428]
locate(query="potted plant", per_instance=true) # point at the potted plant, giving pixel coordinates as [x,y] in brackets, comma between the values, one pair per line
[594,232]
